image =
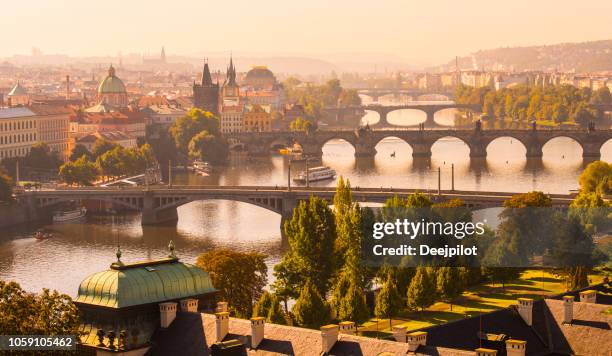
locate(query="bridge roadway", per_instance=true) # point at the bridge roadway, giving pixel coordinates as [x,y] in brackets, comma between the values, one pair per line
[158,204]
[364,140]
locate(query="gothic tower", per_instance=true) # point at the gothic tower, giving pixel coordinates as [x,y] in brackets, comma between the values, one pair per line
[230,87]
[206,93]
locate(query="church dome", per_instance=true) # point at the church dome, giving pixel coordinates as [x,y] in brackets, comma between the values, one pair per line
[18,90]
[111,84]
[260,72]
[144,283]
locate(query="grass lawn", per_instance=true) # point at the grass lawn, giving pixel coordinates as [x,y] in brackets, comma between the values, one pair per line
[483,298]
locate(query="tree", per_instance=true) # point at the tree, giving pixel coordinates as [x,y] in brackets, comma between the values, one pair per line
[583,115]
[239,276]
[299,124]
[421,291]
[208,148]
[310,309]
[78,151]
[353,305]
[449,283]
[349,97]
[388,300]
[47,313]
[559,113]
[596,178]
[311,233]
[572,251]
[262,307]
[80,172]
[186,127]
[276,314]
[40,156]
[601,96]
[101,146]
[6,187]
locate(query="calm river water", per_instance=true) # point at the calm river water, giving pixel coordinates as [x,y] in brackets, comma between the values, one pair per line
[79,249]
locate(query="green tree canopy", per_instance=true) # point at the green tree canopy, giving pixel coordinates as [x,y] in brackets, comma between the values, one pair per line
[80,172]
[101,146]
[239,276]
[597,178]
[422,290]
[78,151]
[449,284]
[310,309]
[47,313]
[388,300]
[6,187]
[208,148]
[312,234]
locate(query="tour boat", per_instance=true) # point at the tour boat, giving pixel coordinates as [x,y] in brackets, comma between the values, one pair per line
[201,167]
[316,174]
[62,216]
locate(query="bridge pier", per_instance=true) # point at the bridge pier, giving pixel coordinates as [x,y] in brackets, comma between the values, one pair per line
[421,150]
[534,151]
[153,216]
[429,121]
[478,150]
[591,151]
[365,150]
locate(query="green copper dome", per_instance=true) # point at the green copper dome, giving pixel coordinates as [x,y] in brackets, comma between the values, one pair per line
[143,283]
[111,84]
[18,90]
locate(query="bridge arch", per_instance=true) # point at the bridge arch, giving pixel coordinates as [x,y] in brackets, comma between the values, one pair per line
[606,150]
[414,115]
[270,204]
[371,117]
[574,141]
[513,140]
[341,140]
[467,143]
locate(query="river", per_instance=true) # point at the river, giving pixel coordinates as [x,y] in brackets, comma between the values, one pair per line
[79,249]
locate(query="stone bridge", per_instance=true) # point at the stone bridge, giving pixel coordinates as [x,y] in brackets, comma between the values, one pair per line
[376,93]
[429,109]
[364,140]
[158,204]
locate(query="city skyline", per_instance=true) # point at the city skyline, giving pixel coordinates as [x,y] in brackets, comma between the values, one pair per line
[418,34]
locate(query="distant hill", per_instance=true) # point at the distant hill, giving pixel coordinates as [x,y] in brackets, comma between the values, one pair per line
[580,57]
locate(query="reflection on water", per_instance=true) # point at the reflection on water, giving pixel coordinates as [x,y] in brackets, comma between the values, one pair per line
[86,247]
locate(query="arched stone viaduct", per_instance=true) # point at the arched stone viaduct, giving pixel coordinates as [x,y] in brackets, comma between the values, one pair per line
[364,140]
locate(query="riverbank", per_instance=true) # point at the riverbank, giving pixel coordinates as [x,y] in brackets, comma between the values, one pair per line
[14,214]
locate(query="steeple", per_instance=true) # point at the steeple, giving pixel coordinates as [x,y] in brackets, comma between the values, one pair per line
[111,71]
[206,78]
[163,54]
[231,73]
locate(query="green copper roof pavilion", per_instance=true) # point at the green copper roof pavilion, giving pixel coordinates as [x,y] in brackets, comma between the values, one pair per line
[125,285]
[111,84]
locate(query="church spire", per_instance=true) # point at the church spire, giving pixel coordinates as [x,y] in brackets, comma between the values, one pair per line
[206,78]
[231,73]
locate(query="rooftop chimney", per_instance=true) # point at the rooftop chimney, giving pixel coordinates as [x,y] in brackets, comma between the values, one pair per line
[167,313]
[222,324]
[329,336]
[221,307]
[515,347]
[485,352]
[416,339]
[347,328]
[399,333]
[568,305]
[525,309]
[257,331]
[189,305]
[588,296]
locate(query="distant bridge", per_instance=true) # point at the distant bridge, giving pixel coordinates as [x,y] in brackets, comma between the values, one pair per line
[376,93]
[364,140]
[158,204]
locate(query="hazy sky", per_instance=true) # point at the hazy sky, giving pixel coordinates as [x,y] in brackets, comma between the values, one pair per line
[419,32]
